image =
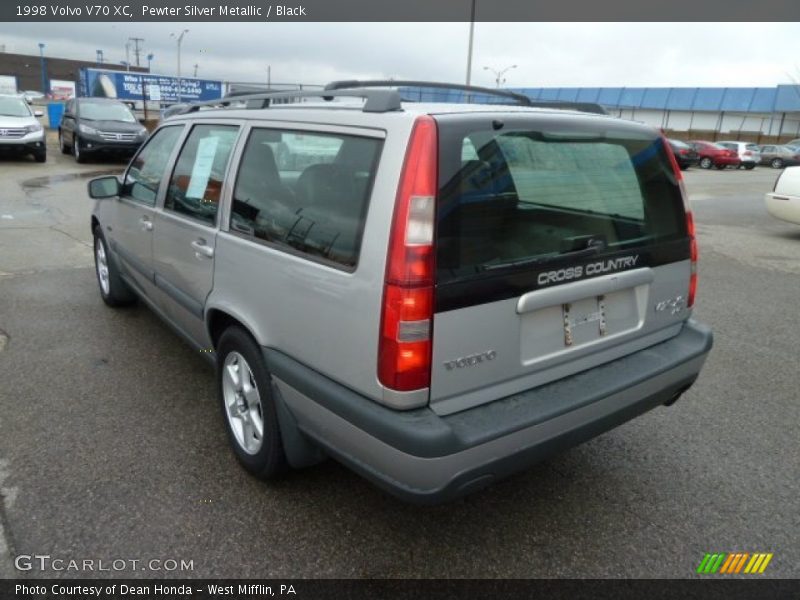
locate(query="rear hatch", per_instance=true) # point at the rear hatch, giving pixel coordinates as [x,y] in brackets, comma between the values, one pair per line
[561,243]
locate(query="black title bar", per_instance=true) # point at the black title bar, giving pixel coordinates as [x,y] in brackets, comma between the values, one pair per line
[398,10]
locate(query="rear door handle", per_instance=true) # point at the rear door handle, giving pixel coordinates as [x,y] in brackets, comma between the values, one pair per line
[147,224]
[201,250]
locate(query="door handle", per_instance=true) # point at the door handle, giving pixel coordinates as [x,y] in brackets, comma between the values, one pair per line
[201,250]
[147,224]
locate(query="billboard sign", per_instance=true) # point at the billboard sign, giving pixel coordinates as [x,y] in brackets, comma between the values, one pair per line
[8,84]
[129,86]
[62,90]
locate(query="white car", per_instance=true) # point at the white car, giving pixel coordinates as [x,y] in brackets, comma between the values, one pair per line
[32,95]
[748,152]
[20,130]
[784,201]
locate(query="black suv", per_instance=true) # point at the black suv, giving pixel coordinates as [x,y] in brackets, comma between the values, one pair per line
[92,126]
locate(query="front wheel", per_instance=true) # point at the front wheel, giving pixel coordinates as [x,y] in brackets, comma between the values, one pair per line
[80,155]
[61,144]
[776,163]
[113,289]
[245,396]
[706,163]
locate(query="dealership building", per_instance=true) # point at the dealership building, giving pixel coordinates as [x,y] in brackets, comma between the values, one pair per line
[758,114]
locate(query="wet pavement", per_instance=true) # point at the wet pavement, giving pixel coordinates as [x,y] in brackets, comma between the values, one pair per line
[113,446]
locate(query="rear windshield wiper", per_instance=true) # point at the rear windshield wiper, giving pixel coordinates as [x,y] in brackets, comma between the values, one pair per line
[592,248]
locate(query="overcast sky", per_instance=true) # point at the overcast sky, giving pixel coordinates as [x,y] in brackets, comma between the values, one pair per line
[547,54]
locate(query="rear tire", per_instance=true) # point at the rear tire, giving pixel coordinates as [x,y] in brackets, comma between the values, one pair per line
[244,389]
[113,290]
[776,163]
[750,167]
[706,163]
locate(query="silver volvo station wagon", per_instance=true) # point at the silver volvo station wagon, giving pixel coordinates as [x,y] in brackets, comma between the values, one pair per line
[436,295]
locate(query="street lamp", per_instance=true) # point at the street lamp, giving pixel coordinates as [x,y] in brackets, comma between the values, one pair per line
[469,46]
[150,58]
[179,39]
[498,75]
[44,70]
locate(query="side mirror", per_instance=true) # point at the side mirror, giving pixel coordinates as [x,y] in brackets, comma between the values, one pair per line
[38,113]
[104,187]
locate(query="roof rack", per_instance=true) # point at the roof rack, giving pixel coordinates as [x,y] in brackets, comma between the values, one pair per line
[522,99]
[340,85]
[375,100]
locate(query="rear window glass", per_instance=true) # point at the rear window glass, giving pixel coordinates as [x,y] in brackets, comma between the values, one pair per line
[305,192]
[534,195]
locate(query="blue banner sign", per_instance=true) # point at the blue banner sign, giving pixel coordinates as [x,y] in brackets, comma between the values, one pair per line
[129,86]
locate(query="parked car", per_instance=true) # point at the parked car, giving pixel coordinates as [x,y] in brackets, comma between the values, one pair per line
[779,157]
[795,143]
[684,154]
[32,95]
[749,153]
[20,130]
[449,297]
[93,126]
[783,202]
[714,155]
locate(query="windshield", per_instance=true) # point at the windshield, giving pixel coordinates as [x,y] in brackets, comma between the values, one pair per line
[106,111]
[14,107]
[524,195]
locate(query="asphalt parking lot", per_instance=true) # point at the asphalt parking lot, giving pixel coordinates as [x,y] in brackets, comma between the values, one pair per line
[112,445]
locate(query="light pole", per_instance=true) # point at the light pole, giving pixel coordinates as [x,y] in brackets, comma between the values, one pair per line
[469,47]
[179,39]
[195,70]
[269,77]
[150,58]
[44,70]
[99,57]
[127,56]
[498,75]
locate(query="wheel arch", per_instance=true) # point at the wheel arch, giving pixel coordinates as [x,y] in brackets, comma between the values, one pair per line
[218,319]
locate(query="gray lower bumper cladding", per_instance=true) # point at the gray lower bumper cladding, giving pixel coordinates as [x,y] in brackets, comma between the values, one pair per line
[422,457]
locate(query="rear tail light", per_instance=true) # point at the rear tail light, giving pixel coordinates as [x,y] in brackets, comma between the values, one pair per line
[404,348]
[693,259]
[689,228]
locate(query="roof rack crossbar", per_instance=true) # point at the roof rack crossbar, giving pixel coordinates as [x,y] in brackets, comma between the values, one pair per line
[375,100]
[339,85]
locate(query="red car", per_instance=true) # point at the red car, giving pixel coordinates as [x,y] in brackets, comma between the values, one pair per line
[712,154]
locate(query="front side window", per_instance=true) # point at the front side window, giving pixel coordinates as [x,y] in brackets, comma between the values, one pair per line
[196,183]
[147,169]
[307,192]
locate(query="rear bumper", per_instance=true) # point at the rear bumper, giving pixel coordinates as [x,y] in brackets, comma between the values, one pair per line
[783,207]
[426,458]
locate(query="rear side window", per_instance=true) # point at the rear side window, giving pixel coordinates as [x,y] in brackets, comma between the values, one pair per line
[305,192]
[196,185]
[535,195]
